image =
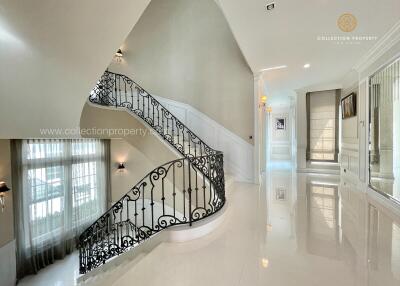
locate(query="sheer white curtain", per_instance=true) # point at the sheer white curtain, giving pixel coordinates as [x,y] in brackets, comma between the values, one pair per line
[64,189]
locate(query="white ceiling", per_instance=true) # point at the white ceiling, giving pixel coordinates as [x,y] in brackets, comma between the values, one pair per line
[288,35]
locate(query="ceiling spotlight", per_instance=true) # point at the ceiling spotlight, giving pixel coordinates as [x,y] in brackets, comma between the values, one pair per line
[270,6]
[273,68]
[306,66]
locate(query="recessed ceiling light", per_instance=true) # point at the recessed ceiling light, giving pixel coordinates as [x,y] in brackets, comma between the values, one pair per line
[306,66]
[273,68]
[270,6]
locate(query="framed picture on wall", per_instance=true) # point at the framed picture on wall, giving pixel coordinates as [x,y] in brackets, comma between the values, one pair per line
[280,123]
[280,194]
[349,105]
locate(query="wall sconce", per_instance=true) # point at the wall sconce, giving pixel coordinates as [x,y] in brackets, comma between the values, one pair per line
[263,101]
[3,189]
[264,262]
[119,53]
[269,109]
[121,167]
[118,56]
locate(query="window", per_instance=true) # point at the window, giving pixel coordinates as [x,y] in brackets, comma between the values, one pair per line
[64,185]
[322,129]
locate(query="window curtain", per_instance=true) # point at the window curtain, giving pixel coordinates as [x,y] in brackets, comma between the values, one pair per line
[60,188]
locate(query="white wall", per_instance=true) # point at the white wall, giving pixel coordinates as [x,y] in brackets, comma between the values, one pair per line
[137,165]
[238,154]
[184,50]
[7,242]
[8,264]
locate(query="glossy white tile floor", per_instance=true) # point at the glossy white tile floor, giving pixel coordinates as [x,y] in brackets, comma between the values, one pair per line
[62,273]
[296,229]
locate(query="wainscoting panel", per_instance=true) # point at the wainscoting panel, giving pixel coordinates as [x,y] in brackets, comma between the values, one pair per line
[238,154]
[349,161]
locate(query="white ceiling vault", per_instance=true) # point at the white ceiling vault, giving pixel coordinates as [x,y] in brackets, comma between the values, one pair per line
[291,35]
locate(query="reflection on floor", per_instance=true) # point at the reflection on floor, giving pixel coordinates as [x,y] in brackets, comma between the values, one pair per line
[296,229]
[61,273]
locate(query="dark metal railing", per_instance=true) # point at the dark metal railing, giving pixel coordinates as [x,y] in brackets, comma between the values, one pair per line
[181,191]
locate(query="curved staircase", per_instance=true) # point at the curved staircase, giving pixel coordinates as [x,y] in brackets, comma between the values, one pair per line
[182,191]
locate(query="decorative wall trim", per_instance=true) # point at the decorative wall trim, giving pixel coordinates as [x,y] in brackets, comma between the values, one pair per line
[388,206]
[384,44]
[238,154]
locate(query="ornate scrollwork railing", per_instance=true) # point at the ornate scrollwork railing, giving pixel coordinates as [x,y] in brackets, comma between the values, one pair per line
[181,191]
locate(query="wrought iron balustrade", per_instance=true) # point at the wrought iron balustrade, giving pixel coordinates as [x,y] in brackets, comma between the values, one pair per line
[179,192]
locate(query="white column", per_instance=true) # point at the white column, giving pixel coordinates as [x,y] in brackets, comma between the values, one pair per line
[301,129]
[257,116]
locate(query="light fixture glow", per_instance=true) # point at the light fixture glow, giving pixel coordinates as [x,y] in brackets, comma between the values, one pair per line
[306,66]
[273,68]
[263,99]
[264,262]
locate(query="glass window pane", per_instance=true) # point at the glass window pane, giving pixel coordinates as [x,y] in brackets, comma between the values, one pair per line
[62,195]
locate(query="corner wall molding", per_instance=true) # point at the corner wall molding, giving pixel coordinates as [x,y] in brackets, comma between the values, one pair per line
[384,44]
